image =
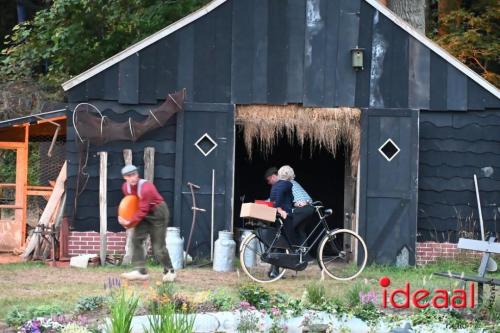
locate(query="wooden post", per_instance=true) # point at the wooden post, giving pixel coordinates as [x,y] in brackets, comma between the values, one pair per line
[149,175]
[127,156]
[127,258]
[103,177]
[149,163]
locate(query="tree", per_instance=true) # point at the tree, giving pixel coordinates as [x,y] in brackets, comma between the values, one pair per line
[473,35]
[73,35]
[412,11]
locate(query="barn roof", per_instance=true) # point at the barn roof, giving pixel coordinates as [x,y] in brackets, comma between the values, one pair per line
[33,118]
[216,3]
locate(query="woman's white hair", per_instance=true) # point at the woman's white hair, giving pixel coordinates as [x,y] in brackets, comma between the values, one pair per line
[286,173]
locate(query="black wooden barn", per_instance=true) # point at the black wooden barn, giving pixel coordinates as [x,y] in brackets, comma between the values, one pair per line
[439,121]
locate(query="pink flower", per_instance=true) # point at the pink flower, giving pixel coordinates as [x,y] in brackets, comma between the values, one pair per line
[244,304]
[369,297]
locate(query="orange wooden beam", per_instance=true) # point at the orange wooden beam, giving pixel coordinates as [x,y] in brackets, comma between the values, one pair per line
[11,145]
[48,120]
[41,193]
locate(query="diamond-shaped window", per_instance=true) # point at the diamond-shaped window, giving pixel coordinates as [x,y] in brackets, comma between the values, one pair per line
[205,144]
[389,150]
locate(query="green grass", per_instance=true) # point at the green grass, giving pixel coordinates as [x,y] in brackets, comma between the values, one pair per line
[31,284]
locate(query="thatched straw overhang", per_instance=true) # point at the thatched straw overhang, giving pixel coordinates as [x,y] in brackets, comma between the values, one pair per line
[264,125]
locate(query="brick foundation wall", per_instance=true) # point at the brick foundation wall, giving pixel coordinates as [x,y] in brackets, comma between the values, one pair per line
[88,243]
[430,252]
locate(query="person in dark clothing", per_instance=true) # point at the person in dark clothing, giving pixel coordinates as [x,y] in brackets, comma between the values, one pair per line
[302,209]
[282,198]
[153,215]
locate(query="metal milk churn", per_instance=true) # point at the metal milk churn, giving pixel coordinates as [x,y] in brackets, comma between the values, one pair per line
[250,256]
[175,247]
[224,252]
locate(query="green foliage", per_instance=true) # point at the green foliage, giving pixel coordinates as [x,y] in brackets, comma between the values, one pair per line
[7,166]
[89,303]
[367,312]
[16,317]
[473,36]
[315,294]
[165,320]
[352,295]
[249,322]
[122,309]
[255,295]
[221,300]
[73,35]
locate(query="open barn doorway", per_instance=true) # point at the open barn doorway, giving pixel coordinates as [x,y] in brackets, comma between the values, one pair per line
[321,145]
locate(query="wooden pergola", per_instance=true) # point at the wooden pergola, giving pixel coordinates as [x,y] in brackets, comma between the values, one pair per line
[16,134]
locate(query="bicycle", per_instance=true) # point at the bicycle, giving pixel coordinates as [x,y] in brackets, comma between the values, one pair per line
[342,253]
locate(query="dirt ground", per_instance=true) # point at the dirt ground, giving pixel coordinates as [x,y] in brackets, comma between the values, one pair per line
[34,283]
[9,258]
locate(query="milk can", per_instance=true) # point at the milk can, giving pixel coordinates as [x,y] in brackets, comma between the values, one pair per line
[250,255]
[175,247]
[224,252]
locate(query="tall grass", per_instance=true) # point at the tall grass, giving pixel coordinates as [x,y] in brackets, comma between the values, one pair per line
[165,320]
[122,309]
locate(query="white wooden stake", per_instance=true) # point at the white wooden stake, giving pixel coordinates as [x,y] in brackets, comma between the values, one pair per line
[103,177]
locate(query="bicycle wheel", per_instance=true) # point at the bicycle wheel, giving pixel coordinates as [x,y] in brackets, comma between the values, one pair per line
[251,250]
[342,254]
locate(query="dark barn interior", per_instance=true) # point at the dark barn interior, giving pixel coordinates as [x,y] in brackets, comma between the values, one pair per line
[320,173]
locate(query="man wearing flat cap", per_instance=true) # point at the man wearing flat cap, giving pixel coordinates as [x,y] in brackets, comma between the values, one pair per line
[152,216]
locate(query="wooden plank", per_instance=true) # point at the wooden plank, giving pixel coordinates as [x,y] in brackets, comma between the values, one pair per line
[178,170]
[457,89]
[348,33]
[127,156]
[147,75]
[399,69]
[314,58]
[223,33]
[50,208]
[128,78]
[103,225]
[332,51]
[127,258]
[110,77]
[11,145]
[260,50]
[149,163]
[166,66]
[22,182]
[296,17]
[204,59]
[11,206]
[277,52]
[438,83]
[39,193]
[95,87]
[185,64]
[365,41]
[478,245]
[242,52]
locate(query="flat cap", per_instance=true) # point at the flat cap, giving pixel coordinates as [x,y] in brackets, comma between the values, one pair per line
[128,169]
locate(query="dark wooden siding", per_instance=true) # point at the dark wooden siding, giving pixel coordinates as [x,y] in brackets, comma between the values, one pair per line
[162,139]
[290,51]
[286,51]
[453,147]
